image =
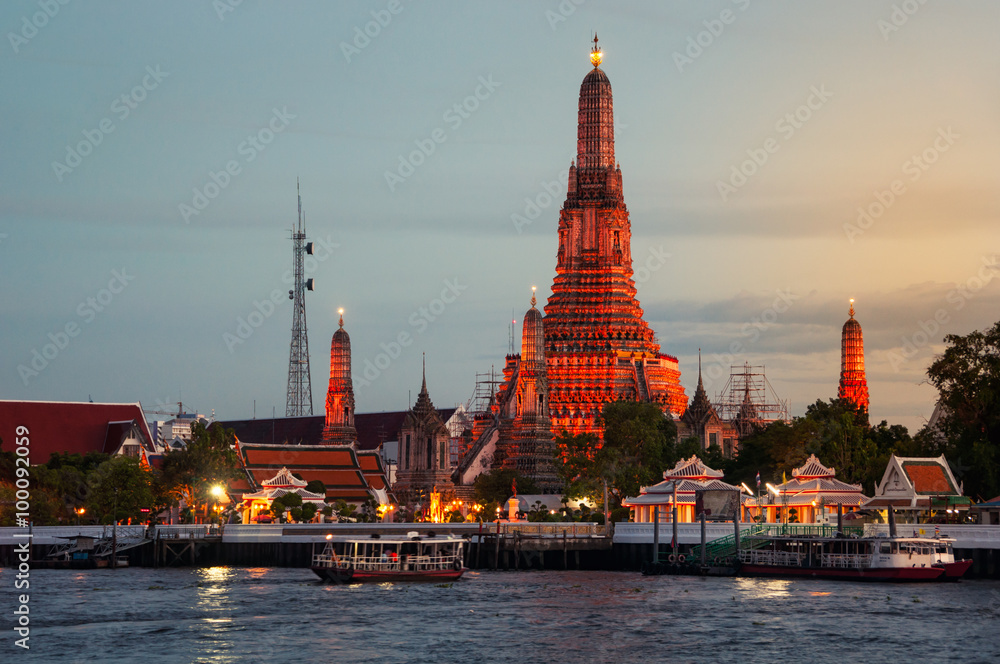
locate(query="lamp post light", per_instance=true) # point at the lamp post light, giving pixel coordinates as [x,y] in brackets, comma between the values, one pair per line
[217,492]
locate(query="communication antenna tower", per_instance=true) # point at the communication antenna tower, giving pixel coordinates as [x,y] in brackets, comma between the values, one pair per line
[299,399]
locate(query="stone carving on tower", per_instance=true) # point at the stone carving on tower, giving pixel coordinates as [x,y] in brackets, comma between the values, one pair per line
[599,347]
[526,443]
[424,451]
[853,384]
[339,426]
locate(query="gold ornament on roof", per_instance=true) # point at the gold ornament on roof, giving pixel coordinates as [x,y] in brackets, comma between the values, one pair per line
[596,55]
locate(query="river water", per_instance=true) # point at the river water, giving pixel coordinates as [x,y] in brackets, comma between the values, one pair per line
[226,614]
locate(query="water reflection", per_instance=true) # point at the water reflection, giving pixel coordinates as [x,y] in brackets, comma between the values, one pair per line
[224,615]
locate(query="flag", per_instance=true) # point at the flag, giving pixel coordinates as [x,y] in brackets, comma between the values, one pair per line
[758,479]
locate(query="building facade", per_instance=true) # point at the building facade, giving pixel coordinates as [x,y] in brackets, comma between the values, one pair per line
[702,421]
[853,384]
[599,348]
[339,428]
[424,452]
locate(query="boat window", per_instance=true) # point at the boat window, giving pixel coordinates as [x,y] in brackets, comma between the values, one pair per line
[885,548]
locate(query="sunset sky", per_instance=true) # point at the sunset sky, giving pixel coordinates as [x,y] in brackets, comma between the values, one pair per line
[127,246]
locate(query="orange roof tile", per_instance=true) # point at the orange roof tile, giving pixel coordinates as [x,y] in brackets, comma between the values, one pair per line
[928,478]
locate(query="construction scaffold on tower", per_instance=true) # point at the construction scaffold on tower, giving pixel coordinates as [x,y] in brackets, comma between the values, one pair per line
[748,401]
[487,385]
[299,398]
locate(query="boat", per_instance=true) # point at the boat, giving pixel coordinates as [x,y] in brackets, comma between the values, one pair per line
[944,553]
[381,559]
[859,558]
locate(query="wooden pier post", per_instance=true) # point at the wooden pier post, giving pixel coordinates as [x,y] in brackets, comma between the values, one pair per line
[704,540]
[674,519]
[737,514]
[656,534]
[565,552]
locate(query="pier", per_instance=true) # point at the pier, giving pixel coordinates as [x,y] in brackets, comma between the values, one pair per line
[509,546]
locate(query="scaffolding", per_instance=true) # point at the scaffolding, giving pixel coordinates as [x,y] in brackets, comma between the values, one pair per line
[748,401]
[487,384]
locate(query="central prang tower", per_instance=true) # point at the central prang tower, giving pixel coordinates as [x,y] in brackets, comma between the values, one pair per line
[599,348]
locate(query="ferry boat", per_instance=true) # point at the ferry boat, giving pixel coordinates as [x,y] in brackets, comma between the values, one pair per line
[387,558]
[860,558]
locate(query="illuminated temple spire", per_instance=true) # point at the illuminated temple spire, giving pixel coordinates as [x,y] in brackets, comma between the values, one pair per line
[598,346]
[339,427]
[526,444]
[853,384]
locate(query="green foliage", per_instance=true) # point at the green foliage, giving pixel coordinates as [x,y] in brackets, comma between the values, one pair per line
[836,432]
[121,487]
[967,376]
[639,444]
[345,511]
[291,502]
[496,486]
[317,487]
[207,460]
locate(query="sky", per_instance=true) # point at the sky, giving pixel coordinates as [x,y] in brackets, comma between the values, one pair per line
[778,159]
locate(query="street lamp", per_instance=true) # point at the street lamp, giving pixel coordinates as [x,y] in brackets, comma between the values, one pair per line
[218,491]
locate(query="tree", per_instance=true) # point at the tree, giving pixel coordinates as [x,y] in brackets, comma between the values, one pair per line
[121,489]
[496,485]
[967,376]
[639,444]
[208,459]
[290,501]
[837,432]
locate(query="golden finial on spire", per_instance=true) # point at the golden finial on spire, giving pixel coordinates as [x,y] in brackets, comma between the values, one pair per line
[852,307]
[596,55]
[533,300]
[341,312]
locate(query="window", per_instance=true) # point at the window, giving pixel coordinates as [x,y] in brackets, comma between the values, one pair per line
[443,453]
[407,457]
[430,453]
[713,439]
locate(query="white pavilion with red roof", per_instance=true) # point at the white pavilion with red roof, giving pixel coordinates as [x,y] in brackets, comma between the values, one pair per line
[689,475]
[281,484]
[811,496]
